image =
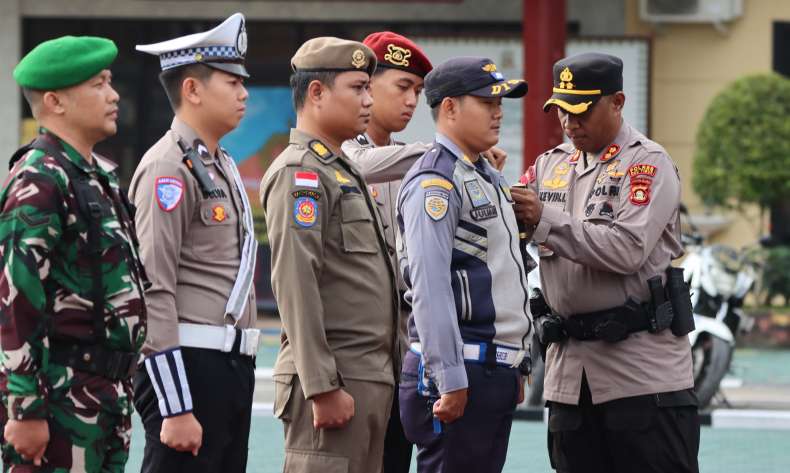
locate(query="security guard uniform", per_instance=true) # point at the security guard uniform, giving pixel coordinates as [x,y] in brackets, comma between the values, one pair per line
[335,290]
[458,247]
[384,167]
[609,223]
[71,290]
[197,241]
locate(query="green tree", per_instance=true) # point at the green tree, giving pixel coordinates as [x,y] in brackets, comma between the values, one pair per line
[743,144]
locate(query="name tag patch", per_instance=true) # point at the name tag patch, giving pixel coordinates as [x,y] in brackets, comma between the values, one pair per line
[484,213]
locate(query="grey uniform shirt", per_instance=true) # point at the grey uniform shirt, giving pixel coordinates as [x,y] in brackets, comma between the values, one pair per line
[609,223]
[463,265]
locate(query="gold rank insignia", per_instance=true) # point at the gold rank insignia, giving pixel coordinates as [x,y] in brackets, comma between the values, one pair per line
[397,55]
[611,152]
[489,68]
[320,149]
[358,59]
[611,171]
[341,178]
[557,182]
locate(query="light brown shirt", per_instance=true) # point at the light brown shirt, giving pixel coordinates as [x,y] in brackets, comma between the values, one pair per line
[375,163]
[331,273]
[609,223]
[191,251]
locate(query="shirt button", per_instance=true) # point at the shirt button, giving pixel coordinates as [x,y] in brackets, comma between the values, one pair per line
[333,381]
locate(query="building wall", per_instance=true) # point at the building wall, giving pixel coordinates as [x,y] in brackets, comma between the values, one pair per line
[692,63]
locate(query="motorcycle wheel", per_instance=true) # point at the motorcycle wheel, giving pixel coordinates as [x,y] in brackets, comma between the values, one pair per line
[711,356]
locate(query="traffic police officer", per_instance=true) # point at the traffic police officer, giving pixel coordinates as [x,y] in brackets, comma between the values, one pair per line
[331,273]
[71,289]
[396,86]
[458,246]
[197,240]
[618,379]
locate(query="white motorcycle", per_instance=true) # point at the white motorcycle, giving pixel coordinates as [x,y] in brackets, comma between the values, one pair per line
[719,279]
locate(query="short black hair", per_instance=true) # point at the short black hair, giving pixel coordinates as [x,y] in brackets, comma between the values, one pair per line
[435,108]
[172,79]
[300,80]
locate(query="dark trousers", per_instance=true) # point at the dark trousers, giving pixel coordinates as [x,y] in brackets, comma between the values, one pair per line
[657,433]
[221,385]
[478,440]
[397,448]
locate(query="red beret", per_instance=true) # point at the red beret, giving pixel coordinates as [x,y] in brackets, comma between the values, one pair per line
[397,52]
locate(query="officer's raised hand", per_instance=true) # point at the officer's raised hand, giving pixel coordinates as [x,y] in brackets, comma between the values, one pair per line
[332,410]
[527,205]
[28,437]
[450,407]
[496,156]
[182,433]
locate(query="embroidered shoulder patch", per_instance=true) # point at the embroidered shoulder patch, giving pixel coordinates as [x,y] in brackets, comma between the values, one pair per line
[642,170]
[169,192]
[640,191]
[436,204]
[305,211]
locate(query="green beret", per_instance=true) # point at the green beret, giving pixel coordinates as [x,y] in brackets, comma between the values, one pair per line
[64,61]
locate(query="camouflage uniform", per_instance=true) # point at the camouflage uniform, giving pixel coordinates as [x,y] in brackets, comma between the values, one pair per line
[45,294]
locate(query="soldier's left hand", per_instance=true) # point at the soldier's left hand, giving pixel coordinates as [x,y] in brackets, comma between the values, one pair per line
[28,437]
[496,156]
[527,205]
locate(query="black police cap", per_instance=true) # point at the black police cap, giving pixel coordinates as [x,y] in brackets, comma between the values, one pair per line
[470,76]
[581,80]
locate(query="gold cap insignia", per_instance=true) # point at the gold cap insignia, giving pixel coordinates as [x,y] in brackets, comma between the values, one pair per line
[198,57]
[566,76]
[358,59]
[397,55]
[489,68]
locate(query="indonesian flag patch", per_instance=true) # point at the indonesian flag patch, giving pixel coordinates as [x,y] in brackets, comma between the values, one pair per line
[306,179]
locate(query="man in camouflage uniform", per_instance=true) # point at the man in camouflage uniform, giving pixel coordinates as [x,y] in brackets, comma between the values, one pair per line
[67,247]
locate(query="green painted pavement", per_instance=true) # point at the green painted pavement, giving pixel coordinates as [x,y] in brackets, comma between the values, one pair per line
[721,450]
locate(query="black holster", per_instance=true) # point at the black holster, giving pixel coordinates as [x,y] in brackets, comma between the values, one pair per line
[680,298]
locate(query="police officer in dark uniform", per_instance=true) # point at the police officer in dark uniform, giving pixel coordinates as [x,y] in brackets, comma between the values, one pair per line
[618,366]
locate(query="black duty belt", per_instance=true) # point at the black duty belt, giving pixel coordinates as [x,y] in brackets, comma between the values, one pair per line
[95,359]
[611,324]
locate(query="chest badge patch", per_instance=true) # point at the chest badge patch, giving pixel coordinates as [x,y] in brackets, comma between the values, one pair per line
[436,204]
[476,194]
[169,192]
[341,178]
[557,182]
[218,213]
[305,211]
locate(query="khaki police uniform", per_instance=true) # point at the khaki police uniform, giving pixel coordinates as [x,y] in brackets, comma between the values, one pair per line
[335,290]
[609,223]
[197,240]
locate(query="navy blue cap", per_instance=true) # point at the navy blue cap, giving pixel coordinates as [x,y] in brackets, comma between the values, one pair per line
[470,76]
[581,80]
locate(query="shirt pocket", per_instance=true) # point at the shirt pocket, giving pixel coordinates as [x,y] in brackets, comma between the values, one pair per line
[357,226]
[213,232]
